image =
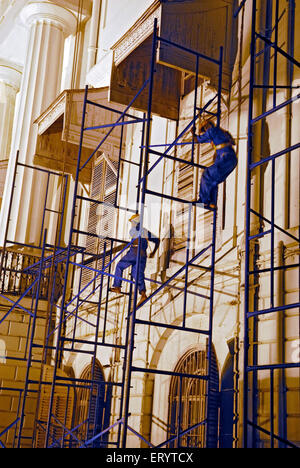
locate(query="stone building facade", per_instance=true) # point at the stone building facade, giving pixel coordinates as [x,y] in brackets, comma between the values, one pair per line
[49,52]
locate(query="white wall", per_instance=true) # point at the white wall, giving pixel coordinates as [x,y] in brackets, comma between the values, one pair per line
[116,18]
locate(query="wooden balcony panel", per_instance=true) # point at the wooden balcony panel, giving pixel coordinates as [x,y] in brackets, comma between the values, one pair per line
[59,130]
[198,25]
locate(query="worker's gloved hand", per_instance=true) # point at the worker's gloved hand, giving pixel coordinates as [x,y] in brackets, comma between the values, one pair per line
[194,135]
[152,255]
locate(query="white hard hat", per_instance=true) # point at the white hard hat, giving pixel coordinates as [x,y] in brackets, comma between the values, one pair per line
[135,217]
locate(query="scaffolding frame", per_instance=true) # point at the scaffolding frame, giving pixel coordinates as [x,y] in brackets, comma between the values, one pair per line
[62,344]
[43,270]
[252,309]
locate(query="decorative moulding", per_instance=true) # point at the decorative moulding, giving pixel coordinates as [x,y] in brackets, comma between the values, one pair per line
[11,74]
[137,34]
[51,114]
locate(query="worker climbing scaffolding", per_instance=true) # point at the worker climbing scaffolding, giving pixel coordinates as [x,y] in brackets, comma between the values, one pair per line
[131,258]
[225,161]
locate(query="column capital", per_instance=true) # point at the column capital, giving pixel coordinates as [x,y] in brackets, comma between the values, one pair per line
[10,74]
[44,11]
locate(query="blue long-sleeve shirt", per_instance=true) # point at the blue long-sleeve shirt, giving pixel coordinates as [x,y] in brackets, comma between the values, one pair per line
[145,237]
[216,135]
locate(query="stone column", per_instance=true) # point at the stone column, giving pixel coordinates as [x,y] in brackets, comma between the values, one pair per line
[10,79]
[3,5]
[48,25]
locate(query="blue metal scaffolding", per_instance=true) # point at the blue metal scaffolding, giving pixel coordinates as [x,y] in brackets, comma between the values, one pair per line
[132,319]
[37,281]
[34,278]
[76,259]
[262,45]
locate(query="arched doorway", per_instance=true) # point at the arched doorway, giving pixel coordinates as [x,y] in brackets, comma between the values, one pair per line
[93,406]
[188,401]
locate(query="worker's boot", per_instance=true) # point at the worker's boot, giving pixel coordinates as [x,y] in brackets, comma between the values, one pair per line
[143,298]
[210,206]
[116,290]
[206,206]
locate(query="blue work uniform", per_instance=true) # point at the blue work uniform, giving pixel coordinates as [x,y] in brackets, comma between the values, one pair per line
[130,259]
[225,162]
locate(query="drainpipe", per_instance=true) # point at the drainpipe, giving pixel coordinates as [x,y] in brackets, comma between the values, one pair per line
[94,34]
[281,358]
[288,110]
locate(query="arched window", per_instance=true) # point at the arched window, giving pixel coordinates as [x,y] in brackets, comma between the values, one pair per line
[93,407]
[188,400]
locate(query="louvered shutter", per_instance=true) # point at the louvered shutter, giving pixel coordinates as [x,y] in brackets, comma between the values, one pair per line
[62,409]
[96,194]
[93,407]
[101,217]
[185,190]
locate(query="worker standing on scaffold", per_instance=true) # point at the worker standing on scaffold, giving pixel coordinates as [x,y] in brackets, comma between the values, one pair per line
[130,259]
[224,163]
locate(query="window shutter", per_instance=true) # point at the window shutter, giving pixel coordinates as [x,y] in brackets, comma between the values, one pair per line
[93,406]
[101,217]
[63,406]
[185,190]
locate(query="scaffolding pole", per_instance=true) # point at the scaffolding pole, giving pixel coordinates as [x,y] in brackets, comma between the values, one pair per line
[253,310]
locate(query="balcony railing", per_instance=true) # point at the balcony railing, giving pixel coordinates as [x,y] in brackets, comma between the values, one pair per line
[16,278]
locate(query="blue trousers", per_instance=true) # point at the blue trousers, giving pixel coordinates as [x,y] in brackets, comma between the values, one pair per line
[212,176]
[130,260]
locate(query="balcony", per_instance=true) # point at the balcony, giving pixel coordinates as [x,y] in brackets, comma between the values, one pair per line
[200,25]
[15,279]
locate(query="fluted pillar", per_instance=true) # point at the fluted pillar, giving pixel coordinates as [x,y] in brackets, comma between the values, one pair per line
[10,79]
[48,25]
[3,5]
